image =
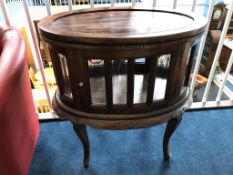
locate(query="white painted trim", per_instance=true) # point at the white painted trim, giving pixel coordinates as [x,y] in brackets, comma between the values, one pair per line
[48,7]
[194,5]
[112,3]
[133,3]
[227,71]
[92,3]
[37,52]
[70,5]
[154,3]
[174,4]
[201,48]
[218,51]
[47,116]
[226,90]
[5,12]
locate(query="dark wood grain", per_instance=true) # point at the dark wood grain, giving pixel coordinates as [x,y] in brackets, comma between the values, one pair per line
[171,127]
[190,63]
[173,75]
[120,25]
[80,84]
[120,92]
[183,66]
[57,68]
[74,78]
[130,82]
[151,81]
[108,82]
[81,132]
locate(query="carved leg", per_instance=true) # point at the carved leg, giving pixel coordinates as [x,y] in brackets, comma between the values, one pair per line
[81,132]
[171,127]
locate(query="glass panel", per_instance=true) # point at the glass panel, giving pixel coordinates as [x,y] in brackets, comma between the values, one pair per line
[97,81]
[119,81]
[161,77]
[65,73]
[186,69]
[140,88]
[140,80]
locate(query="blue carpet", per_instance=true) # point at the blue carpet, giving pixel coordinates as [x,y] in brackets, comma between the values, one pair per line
[202,145]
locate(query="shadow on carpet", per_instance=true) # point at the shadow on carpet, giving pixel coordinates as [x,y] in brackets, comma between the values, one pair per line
[202,145]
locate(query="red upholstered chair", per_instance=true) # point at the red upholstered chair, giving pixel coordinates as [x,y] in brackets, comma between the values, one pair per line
[19,127]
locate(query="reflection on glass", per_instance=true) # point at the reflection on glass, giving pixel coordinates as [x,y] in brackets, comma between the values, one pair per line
[140,88]
[187,66]
[65,74]
[163,65]
[140,80]
[160,89]
[119,81]
[217,14]
[97,81]
[64,68]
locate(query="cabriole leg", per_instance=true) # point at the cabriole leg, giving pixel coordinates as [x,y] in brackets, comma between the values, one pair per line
[81,132]
[171,127]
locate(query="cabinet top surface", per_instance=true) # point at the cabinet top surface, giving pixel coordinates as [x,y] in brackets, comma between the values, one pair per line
[114,24]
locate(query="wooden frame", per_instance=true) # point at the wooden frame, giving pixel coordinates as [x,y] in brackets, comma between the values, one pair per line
[107,34]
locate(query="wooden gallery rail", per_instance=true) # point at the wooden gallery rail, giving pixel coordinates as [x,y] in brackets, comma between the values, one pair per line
[139,71]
